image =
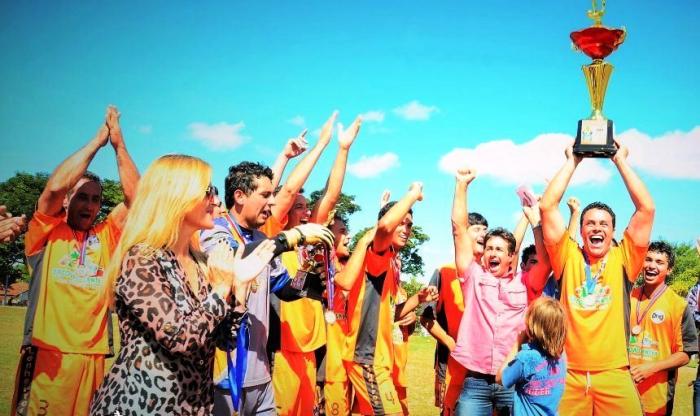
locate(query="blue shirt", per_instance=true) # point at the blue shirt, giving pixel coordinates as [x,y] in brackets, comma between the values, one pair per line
[539,383]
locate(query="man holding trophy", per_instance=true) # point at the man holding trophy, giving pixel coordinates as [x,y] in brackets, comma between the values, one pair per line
[596,279]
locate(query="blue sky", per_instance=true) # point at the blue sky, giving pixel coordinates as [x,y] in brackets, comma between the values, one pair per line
[441,76]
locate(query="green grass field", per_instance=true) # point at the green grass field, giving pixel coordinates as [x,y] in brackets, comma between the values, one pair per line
[420,369]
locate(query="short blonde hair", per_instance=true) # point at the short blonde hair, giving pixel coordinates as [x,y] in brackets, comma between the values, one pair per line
[545,322]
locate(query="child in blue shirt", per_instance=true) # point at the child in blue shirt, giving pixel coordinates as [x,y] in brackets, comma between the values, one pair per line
[537,366]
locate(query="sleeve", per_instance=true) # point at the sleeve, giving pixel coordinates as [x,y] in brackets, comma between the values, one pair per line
[140,279]
[38,230]
[692,300]
[512,373]
[632,257]
[430,311]
[689,336]
[559,253]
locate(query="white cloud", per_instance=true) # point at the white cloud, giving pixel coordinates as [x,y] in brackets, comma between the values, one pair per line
[528,163]
[372,116]
[146,129]
[297,121]
[220,136]
[415,111]
[674,155]
[371,166]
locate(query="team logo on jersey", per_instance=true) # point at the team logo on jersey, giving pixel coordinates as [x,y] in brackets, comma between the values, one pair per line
[658,316]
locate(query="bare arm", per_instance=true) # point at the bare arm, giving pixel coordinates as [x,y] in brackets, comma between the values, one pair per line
[292,149]
[519,234]
[393,218]
[575,211]
[639,227]
[643,371]
[425,294]
[553,228]
[330,197]
[128,173]
[537,277]
[353,269]
[285,197]
[464,251]
[438,332]
[68,173]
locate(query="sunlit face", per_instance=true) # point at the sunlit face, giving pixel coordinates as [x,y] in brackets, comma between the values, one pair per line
[342,238]
[477,232]
[497,256]
[83,204]
[656,268]
[201,216]
[597,233]
[299,213]
[402,232]
[529,263]
[255,208]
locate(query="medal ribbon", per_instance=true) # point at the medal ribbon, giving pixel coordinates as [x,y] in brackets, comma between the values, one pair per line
[330,275]
[82,247]
[591,281]
[654,296]
[236,373]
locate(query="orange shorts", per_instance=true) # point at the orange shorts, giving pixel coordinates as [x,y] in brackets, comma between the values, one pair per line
[454,379]
[374,389]
[61,384]
[294,382]
[607,392]
[337,396]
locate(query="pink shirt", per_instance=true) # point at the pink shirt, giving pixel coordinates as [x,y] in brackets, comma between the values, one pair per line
[494,314]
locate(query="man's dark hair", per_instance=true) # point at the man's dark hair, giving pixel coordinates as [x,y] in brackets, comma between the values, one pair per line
[242,176]
[664,248]
[91,176]
[477,219]
[529,251]
[386,209]
[504,234]
[597,205]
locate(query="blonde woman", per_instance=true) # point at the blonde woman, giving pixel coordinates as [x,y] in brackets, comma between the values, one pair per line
[173,305]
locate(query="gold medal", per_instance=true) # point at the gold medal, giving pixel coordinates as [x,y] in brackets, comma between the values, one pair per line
[636,330]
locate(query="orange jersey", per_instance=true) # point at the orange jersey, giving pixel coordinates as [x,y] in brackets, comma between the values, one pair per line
[303,328]
[400,339]
[272,227]
[68,309]
[596,337]
[371,312]
[335,339]
[662,334]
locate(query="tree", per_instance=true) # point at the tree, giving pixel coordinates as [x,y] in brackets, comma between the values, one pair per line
[20,194]
[345,207]
[687,269]
[411,262]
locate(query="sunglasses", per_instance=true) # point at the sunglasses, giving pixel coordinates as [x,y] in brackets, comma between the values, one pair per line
[211,192]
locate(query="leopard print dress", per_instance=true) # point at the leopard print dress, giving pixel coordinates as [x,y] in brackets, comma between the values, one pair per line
[168,335]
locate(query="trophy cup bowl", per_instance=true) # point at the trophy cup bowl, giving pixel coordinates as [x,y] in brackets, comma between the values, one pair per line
[594,137]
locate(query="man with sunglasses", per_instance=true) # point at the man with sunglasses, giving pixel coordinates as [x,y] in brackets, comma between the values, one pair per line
[67,329]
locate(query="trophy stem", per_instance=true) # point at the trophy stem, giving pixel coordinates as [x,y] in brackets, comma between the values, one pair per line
[597,76]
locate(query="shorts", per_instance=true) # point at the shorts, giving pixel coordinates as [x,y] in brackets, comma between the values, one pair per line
[337,396]
[374,389]
[61,384]
[607,392]
[294,382]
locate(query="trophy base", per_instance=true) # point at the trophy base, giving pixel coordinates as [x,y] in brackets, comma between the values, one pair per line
[595,139]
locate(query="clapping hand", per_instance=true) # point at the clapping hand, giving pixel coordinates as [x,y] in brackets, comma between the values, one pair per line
[296,146]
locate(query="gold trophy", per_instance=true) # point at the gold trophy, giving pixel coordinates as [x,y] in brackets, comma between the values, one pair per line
[595,134]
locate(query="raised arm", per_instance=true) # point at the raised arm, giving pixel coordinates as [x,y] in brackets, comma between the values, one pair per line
[574,214]
[639,227]
[553,228]
[537,277]
[334,185]
[353,269]
[285,197]
[519,234]
[394,217]
[425,294]
[292,149]
[464,250]
[128,173]
[69,172]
